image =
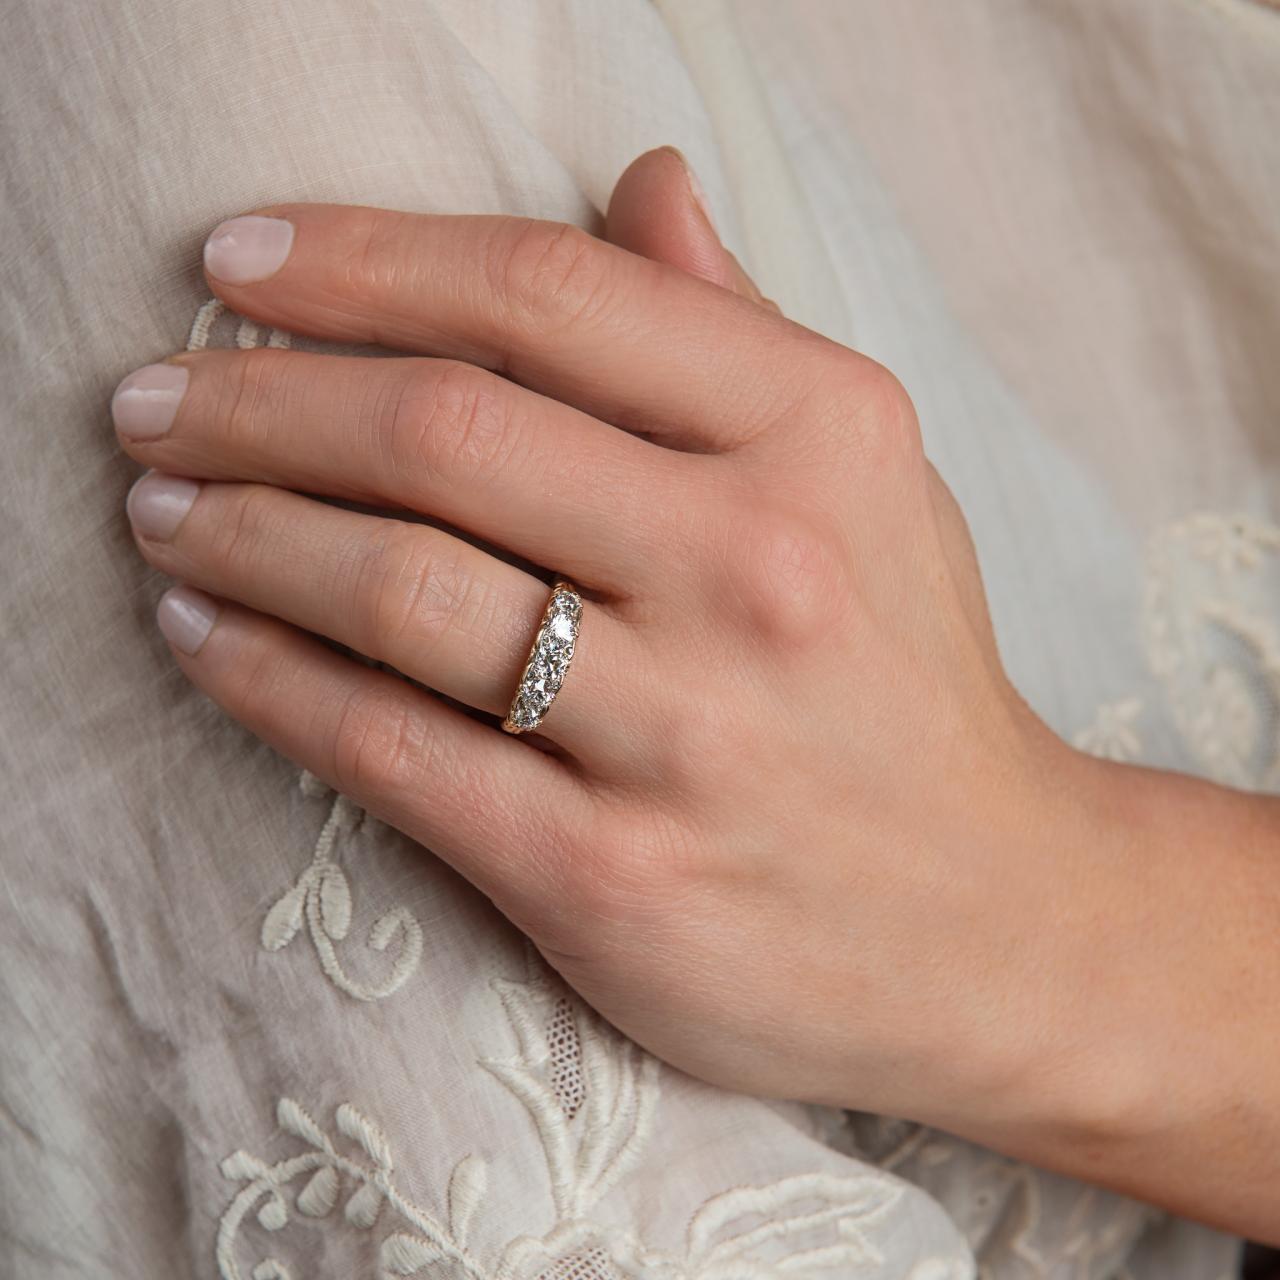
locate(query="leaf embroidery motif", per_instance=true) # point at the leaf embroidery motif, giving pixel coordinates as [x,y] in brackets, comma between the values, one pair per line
[326,1168]
[284,920]
[467,1185]
[335,902]
[318,1197]
[804,1225]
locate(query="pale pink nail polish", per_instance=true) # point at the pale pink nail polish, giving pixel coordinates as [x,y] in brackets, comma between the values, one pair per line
[246,250]
[157,504]
[146,402]
[185,617]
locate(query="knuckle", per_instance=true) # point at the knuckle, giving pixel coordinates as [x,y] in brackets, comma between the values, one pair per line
[256,685]
[377,248]
[862,413]
[784,577]
[251,394]
[454,421]
[239,540]
[413,593]
[551,274]
[885,427]
[378,746]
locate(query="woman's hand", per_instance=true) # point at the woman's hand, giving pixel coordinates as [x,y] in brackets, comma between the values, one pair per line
[789,826]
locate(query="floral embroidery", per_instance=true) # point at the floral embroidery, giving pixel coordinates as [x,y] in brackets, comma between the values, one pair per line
[1212,639]
[593,1132]
[1022,1223]
[369,1184]
[1112,734]
[808,1224]
[322,896]
[805,1224]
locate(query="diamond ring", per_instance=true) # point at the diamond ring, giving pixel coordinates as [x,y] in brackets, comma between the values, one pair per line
[549,657]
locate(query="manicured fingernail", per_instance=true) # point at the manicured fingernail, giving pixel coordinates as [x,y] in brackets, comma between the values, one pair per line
[185,617]
[246,250]
[698,195]
[145,403]
[157,504]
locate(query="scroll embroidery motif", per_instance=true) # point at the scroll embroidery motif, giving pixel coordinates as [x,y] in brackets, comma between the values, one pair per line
[321,896]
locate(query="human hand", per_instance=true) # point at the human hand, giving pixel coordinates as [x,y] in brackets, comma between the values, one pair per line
[785,767]
[786,823]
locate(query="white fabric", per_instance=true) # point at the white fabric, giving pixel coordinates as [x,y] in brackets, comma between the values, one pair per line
[1056,222]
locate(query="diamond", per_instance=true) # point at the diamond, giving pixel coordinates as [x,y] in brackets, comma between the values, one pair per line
[548,661]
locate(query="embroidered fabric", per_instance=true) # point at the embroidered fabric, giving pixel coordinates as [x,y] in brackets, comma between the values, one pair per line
[251,1032]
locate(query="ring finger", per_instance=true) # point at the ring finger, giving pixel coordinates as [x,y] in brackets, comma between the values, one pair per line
[434,606]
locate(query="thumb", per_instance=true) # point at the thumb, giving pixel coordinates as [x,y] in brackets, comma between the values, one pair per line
[658,209]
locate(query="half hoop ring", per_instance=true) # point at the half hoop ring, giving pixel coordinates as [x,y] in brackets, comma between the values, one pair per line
[549,658]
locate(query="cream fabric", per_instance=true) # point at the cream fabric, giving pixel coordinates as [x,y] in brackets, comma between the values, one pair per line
[243,1022]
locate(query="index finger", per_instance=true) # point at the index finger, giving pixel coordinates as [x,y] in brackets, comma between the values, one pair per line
[637,343]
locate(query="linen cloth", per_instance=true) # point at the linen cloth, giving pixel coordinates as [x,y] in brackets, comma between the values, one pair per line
[249,1031]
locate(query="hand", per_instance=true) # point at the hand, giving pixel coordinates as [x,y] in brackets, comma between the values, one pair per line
[787,823]
[785,741]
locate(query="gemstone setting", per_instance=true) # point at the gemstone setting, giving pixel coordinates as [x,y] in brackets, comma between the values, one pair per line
[548,661]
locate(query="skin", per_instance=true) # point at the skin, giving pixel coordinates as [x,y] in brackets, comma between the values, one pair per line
[787,823]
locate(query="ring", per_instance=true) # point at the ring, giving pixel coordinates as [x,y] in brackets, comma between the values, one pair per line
[549,658]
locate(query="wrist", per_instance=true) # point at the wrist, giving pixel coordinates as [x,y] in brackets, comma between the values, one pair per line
[1015,1052]
[1144,1022]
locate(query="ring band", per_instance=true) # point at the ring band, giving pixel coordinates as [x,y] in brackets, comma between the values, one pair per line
[549,658]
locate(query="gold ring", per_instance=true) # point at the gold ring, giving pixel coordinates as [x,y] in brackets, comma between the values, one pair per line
[549,658]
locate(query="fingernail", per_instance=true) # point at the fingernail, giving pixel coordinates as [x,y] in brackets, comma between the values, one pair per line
[695,190]
[185,617]
[246,250]
[157,504]
[145,403]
